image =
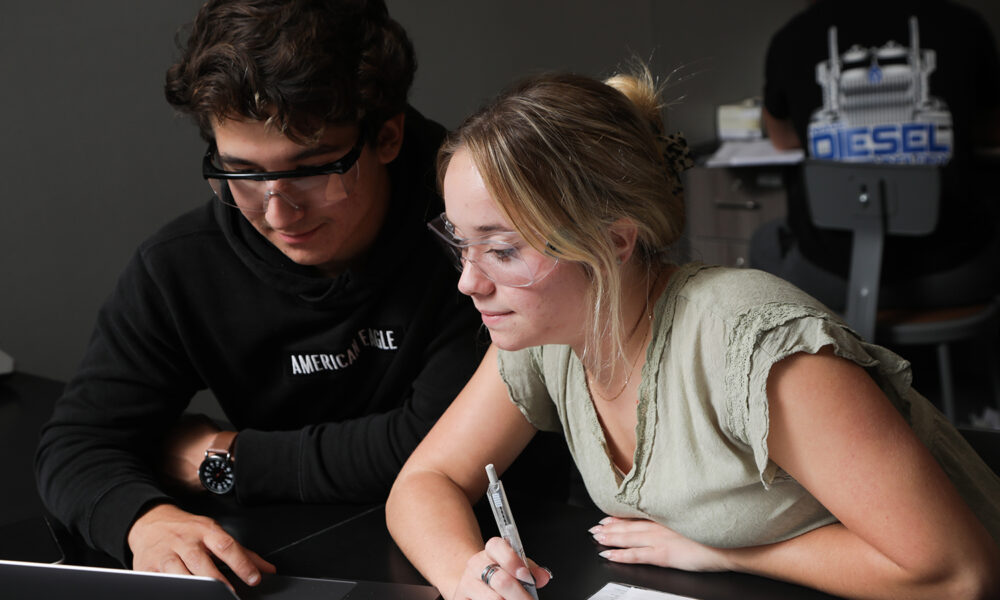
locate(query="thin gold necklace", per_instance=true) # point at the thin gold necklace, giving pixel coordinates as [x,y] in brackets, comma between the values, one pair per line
[648,311]
[635,361]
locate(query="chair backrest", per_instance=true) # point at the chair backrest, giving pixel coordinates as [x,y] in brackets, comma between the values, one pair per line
[871,200]
[986,443]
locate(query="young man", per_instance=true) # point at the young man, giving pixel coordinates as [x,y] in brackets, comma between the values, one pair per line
[308,295]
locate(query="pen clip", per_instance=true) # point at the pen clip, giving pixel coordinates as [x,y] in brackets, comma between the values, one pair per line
[497,498]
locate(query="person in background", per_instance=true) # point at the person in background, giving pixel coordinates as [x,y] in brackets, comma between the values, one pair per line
[960,262]
[722,418]
[307,295]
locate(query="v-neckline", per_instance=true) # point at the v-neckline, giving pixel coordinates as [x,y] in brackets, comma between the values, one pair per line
[654,349]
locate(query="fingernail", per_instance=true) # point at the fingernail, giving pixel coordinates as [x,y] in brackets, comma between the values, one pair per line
[594,529]
[523,574]
[549,571]
[253,579]
[599,537]
[604,553]
[605,520]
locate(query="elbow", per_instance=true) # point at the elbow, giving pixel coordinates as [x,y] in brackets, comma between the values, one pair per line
[396,504]
[977,578]
[973,584]
[981,582]
[392,503]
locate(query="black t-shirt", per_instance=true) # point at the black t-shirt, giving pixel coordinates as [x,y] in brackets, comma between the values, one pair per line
[967,79]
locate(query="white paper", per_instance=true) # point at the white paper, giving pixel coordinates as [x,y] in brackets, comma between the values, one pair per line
[617,591]
[749,153]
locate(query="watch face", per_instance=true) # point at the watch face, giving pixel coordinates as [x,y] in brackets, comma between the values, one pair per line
[216,474]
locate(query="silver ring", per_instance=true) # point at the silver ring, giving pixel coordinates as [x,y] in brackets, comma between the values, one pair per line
[488,572]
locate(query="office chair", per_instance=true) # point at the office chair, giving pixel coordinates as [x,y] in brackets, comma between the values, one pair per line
[986,443]
[873,201]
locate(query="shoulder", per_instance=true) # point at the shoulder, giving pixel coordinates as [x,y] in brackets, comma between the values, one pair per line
[535,362]
[197,222]
[537,373]
[186,250]
[529,375]
[963,14]
[425,133]
[421,139]
[976,34]
[414,171]
[802,25]
[731,293]
[730,315]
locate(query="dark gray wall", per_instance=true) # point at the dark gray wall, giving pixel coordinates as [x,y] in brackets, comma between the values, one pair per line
[93,160]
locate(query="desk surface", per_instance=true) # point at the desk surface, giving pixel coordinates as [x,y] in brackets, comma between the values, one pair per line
[554,535]
[351,541]
[25,404]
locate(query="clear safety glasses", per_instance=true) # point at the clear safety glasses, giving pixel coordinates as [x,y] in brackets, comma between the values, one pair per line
[302,188]
[503,257]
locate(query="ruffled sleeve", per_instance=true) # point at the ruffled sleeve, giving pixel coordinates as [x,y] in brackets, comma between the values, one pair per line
[521,372]
[772,332]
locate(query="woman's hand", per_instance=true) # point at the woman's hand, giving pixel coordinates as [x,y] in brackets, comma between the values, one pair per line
[646,542]
[505,582]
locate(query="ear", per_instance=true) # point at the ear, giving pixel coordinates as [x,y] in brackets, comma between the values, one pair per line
[624,234]
[390,139]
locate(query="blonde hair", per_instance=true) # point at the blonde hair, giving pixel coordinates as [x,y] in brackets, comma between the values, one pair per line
[564,157]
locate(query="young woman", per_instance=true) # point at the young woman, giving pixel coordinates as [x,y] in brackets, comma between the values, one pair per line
[723,419]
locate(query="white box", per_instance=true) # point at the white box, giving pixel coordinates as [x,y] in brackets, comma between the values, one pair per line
[739,122]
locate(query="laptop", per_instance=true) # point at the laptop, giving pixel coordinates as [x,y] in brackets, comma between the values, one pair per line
[29,581]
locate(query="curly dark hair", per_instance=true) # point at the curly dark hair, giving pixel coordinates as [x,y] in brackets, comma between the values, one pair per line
[297,64]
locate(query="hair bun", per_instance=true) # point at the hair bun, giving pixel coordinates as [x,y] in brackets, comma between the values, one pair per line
[643,92]
[641,89]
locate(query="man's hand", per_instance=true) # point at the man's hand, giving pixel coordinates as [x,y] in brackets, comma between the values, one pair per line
[184,449]
[167,539]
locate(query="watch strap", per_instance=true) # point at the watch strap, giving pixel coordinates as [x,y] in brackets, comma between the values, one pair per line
[223,443]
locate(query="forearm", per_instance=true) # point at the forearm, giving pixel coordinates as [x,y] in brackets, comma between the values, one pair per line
[97,501]
[835,560]
[350,461]
[95,478]
[356,459]
[432,521]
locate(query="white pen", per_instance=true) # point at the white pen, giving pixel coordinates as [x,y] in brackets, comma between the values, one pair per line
[497,498]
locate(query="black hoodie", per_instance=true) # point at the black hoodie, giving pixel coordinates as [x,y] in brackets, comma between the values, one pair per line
[331,382]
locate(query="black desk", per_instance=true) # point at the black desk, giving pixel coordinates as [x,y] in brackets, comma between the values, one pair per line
[351,541]
[25,404]
[554,535]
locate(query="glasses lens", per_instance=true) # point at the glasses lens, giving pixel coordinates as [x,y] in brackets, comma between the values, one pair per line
[501,262]
[225,191]
[302,192]
[327,189]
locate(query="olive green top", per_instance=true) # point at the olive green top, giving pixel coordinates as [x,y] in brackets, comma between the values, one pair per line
[701,463]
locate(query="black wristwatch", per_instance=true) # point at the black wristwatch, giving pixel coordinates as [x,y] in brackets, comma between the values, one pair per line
[217,472]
